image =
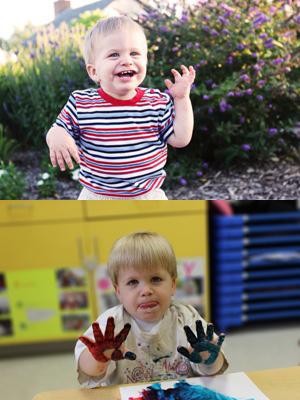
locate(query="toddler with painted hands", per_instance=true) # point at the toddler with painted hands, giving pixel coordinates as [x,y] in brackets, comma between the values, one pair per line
[155,336]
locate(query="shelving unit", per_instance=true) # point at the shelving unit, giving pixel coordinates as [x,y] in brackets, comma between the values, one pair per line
[255,268]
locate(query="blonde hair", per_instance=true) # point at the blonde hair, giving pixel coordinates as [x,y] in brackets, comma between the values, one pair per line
[141,251]
[105,27]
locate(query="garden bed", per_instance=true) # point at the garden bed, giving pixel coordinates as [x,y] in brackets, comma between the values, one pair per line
[273,180]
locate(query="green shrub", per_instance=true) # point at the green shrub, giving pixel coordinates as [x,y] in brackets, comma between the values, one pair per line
[7,146]
[246,94]
[34,89]
[12,182]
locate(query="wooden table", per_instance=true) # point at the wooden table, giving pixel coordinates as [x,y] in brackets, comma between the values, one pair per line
[277,384]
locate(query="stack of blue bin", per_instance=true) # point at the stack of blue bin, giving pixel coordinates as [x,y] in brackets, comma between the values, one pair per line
[255,270]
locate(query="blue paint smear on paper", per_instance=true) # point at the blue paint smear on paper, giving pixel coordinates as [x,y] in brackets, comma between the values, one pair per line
[182,391]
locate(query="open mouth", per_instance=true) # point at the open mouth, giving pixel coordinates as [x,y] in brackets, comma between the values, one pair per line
[128,73]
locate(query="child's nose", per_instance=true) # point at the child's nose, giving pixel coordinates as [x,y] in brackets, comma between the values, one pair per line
[126,60]
[146,290]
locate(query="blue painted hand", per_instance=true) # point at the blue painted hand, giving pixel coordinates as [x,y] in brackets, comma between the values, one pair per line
[200,343]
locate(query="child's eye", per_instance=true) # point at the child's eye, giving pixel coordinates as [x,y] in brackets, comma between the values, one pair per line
[113,55]
[156,279]
[134,53]
[132,282]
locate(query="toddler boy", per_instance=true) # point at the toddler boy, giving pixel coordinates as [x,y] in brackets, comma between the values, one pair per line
[155,338]
[119,132]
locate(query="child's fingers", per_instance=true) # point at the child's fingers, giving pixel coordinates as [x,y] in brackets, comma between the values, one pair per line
[192,73]
[53,158]
[60,161]
[74,153]
[168,83]
[184,69]
[67,158]
[176,74]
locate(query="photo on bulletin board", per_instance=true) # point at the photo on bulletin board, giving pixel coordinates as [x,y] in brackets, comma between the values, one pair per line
[6,327]
[75,322]
[73,300]
[71,277]
[4,305]
[190,282]
[2,282]
[105,292]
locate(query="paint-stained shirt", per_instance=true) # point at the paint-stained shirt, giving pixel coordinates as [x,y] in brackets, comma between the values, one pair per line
[122,143]
[156,352]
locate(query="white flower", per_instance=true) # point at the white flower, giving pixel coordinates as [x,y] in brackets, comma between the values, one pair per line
[3,172]
[75,174]
[40,183]
[45,175]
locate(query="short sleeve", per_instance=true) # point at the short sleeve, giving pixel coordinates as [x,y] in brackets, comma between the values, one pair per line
[166,128]
[67,118]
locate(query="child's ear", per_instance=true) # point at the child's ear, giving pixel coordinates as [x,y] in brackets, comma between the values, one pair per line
[91,70]
[173,286]
[117,291]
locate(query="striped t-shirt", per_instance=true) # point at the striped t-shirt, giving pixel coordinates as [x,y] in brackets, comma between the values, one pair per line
[122,143]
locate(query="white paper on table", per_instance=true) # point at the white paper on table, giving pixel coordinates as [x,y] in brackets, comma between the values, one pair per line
[237,385]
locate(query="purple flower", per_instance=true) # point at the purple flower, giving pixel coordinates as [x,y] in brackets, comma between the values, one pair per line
[297,19]
[182,181]
[261,83]
[278,61]
[199,173]
[214,33]
[184,18]
[245,78]
[240,46]
[223,106]
[222,20]
[263,36]
[246,147]
[242,119]
[205,165]
[164,28]
[260,97]
[197,45]
[260,19]
[249,92]
[206,97]
[230,94]
[273,131]
[210,110]
[269,43]
[254,55]
[174,49]
[229,60]
[225,31]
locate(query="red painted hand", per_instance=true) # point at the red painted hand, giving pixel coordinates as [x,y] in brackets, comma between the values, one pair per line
[108,342]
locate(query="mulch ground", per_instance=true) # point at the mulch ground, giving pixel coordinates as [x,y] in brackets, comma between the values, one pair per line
[274,180]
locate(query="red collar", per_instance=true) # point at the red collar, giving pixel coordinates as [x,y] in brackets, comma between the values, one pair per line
[119,102]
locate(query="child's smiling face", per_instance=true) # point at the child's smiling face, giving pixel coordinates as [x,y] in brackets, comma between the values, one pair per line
[120,62]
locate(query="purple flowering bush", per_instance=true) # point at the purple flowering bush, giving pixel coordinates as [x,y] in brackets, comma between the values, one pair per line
[246,94]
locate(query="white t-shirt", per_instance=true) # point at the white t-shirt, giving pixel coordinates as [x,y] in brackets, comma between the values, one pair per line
[155,347]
